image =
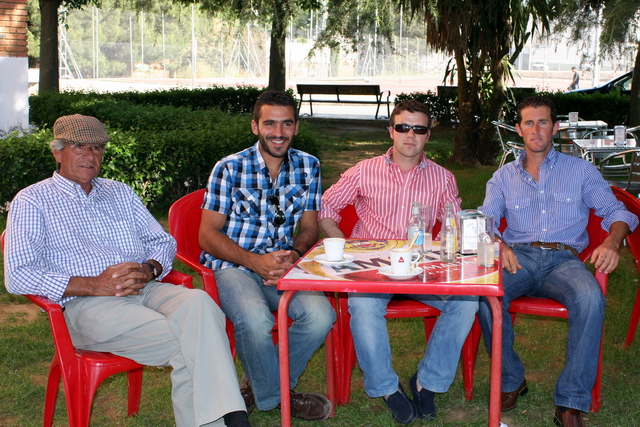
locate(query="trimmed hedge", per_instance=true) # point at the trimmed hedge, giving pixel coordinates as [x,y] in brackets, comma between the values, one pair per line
[163,152]
[45,108]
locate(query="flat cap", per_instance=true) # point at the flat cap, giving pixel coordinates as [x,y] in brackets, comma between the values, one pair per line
[79,129]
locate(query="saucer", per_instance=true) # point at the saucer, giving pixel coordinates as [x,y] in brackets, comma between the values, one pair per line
[386,271]
[346,259]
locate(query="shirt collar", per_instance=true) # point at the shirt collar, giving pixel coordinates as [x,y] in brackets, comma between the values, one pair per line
[259,163]
[423,159]
[549,161]
[73,188]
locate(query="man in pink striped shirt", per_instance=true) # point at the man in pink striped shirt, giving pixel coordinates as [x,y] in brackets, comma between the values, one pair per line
[382,189]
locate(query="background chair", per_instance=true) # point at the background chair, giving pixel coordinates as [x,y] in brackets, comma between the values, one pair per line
[622,170]
[184,224]
[397,308]
[633,240]
[510,141]
[552,308]
[82,371]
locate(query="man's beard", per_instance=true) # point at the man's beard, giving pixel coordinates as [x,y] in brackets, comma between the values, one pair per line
[265,146]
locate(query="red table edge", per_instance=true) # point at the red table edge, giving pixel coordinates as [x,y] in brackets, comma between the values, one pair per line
[283,346]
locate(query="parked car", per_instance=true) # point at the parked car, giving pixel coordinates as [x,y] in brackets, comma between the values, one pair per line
[539,66]
[621,83]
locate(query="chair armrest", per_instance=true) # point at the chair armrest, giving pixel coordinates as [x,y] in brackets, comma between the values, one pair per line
[178,278]
[208,279]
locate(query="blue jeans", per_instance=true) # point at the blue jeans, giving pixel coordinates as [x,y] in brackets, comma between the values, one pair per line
[437,368]
[248,304]
[561,276]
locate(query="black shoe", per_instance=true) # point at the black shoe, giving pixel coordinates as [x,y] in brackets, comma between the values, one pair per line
[247,394]
[424,400]
[310,406]
[402,408]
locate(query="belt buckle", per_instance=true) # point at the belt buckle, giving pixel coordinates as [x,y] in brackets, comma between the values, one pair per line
[545,248]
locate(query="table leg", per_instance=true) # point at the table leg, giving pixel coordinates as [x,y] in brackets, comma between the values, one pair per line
[496,362]
[283,348]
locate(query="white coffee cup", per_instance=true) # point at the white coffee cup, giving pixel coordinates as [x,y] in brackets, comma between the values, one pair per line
[334,249]
[402,259]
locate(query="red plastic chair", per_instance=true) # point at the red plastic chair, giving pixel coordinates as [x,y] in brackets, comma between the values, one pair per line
[184,225]
[397,308]
[633,240]
[551,308]
[83,371]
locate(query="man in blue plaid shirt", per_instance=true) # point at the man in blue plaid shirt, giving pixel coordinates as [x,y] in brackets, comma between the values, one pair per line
[255,199]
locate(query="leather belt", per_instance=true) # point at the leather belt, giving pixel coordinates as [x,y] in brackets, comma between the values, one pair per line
[552,246]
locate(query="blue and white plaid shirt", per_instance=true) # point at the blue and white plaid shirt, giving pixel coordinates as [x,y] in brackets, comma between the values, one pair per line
[556,208]
[239,187]
[56,231]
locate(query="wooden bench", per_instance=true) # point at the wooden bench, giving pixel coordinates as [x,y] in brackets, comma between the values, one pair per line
[342,90]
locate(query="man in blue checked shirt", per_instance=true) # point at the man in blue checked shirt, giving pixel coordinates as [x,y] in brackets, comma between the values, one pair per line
[545,197]
[255,199]
[89,244]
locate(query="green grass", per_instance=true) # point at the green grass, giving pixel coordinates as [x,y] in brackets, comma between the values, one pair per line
[26,349]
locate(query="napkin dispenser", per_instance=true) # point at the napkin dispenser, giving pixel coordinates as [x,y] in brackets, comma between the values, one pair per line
[471,222]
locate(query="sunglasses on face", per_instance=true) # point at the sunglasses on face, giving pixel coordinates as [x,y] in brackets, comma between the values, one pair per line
[279,218]
[405,128]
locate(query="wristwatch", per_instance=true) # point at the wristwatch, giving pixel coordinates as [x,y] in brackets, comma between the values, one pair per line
[154,271]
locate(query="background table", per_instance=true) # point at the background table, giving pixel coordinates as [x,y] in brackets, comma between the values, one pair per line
[461,278]
[586,148]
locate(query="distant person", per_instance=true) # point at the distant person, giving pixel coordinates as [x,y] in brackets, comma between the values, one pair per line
[575,81]
[90,245]
[254,202]
[382,189]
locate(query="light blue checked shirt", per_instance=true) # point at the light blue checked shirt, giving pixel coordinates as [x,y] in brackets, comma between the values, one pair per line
[239,186]
[556,208]
[56,231]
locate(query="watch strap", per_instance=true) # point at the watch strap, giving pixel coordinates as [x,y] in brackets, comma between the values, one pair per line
[154,270]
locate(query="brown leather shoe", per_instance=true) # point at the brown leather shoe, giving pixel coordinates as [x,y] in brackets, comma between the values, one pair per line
[247,394]
[568,418]
[310,406]
[509,400]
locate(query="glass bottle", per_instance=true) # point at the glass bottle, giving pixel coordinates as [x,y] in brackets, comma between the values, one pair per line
[416,225]
[448,235]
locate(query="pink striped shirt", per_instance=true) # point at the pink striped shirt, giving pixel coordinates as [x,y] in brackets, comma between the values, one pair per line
[382,194]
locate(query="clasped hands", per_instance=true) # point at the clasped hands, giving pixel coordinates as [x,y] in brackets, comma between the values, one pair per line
[271,266]
[123,279]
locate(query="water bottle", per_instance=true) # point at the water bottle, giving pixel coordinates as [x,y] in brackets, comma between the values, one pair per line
[448,235]
[416,225]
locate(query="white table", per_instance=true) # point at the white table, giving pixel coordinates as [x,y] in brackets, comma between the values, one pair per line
[586,148]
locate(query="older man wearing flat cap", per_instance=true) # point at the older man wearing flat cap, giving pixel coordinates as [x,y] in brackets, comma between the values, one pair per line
[89,244]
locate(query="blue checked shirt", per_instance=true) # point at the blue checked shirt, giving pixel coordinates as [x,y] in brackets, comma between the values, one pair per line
[239,187]
[56,231]
[556,208]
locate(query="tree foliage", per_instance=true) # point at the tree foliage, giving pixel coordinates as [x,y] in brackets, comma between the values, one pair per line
[619,22]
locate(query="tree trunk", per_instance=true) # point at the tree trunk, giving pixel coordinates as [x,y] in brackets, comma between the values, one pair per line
[634,113]
[466,138]
[277,64]
[488,148]
[49,73]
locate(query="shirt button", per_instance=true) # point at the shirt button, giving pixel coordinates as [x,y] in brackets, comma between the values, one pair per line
[517,207]
[568,199]
[541,191]
[544,211]
[544,229]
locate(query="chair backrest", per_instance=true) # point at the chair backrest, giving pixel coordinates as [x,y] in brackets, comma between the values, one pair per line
[633,205]
[184,223]
[350,218]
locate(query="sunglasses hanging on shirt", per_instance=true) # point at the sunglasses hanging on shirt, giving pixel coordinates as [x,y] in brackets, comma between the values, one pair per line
[279,218]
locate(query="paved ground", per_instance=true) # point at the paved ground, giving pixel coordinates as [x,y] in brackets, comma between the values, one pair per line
[552,81]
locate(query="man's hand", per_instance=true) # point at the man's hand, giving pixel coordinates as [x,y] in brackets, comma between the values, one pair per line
[605,257]
[272,265]
[119,280]
[510,259]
